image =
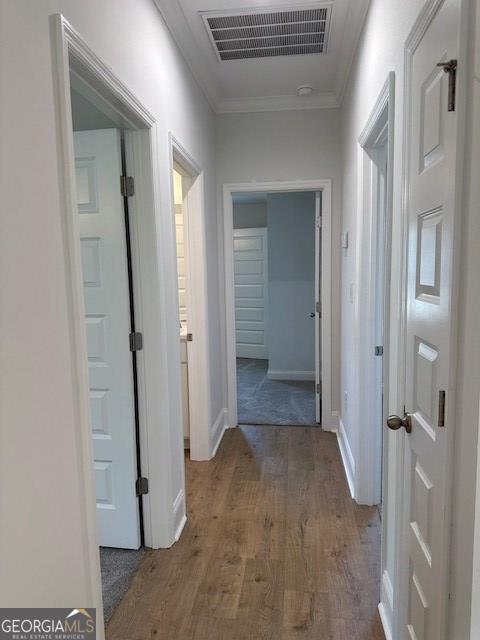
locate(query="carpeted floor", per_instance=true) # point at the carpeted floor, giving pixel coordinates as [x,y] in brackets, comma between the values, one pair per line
[118,567]
[264,401]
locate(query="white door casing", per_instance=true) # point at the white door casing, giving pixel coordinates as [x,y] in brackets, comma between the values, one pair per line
[105,277]
[251,292]
[432,221]
[317,305]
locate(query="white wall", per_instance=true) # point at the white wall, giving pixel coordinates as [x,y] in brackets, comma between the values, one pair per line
[249,215]
[284,145]
[42,504]
[291,285]
[381,50]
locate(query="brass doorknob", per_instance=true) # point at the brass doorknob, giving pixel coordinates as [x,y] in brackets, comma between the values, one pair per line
[396,422]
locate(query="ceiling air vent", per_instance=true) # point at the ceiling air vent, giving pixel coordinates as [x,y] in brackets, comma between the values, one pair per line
[269,32]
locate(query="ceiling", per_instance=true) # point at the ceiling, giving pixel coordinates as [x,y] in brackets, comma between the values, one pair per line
[265,84]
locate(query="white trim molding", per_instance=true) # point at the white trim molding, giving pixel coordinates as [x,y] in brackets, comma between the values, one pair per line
[347,457]
[278,103]
[374,215]
[218,430]
[385,607]
[179,509]
[329,418]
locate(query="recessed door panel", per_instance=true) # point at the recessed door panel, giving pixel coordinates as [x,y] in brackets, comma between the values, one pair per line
[431,119]
[425,375]
[429,259]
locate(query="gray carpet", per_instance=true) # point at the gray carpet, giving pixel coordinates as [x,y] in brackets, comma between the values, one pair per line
[118,567]
[264,401]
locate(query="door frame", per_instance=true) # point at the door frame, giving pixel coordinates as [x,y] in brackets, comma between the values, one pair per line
[372,473]
[378,132]
[202,441]
[329,416]
[163,518]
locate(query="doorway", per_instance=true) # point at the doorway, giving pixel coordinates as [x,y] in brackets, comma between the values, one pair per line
[76,67]
[202,432]
[106,250]
[275,326]
[243,329]
[374,242]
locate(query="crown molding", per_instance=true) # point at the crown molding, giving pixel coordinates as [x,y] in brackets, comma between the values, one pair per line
[177,24]
[278,103]
[351,41]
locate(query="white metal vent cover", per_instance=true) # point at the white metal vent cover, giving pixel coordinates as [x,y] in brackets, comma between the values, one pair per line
[269,31]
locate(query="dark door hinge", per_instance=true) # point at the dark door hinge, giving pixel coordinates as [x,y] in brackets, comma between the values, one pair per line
[379,350]
[127,186]
[317,388]
[450,67]
[136,341]
[141,486]
[441,408]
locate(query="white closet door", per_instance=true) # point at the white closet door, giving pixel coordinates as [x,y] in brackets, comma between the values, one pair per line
[105,279]
[433,216]
[251,292]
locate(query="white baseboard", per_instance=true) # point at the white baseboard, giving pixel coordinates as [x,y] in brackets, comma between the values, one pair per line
[385,608]
[217,430]
[347,457]
[330,423]
[179,514]
[387,629]
[273,374]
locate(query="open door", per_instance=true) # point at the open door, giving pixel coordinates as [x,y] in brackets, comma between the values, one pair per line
[318,306]
[103,242]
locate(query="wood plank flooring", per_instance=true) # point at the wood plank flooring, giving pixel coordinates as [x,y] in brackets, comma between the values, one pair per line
[274,549]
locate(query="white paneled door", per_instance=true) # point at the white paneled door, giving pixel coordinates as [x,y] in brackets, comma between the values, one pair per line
[106,289]
[317,304]
[432,219]
[251,295]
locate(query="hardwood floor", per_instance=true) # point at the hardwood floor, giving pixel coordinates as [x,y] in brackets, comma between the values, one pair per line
[274,548]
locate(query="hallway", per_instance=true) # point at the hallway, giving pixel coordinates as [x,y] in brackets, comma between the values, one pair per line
[274,547]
